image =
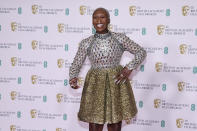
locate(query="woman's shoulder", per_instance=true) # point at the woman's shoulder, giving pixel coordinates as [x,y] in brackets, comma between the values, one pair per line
[87,41]
[118,34]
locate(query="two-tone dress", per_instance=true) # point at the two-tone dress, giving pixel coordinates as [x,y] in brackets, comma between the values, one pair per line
[102,100]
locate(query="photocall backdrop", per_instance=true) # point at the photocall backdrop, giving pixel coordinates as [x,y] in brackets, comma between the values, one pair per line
[39,39]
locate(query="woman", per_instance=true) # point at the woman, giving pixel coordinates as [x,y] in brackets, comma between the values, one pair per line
[107,96]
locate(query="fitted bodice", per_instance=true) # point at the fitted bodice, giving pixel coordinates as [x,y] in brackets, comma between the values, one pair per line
[105,51]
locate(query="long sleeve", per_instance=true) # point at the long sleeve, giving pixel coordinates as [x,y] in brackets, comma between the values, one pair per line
[78,59]
[135,49]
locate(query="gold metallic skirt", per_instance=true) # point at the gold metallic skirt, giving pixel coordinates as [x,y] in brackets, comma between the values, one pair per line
[103,101]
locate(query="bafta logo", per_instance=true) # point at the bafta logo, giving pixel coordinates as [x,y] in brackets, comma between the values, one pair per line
[60,63]
[34,79]
[13,61]
[82,10]
[33,113]
[179,122]
[58,129]
[80,81]
[12,128]
[158,66]
[13,26]
[110,27]
[183,48]
[181,86]
[34,44]
[160,29]
[13,95]
[185,10]
[61,28]
[34,9]
[157,103]
[132,10]
[59,97]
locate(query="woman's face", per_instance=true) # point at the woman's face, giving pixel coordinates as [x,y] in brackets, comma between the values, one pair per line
[100,21]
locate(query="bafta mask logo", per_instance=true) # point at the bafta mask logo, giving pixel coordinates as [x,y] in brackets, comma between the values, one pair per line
[110,27]
[80,81]
[13,95]
[58,129]
[132,10]
[34,44]
[12,128]
[181,86]
[185,10]
[34,79]
[183,48]
[160,29]
[13,61]
[61,28]
[33,113]
[60,63]
[34,9]
[179,122]
[158,66]
[13,26]
[82,10]
[157,103]
[59,97]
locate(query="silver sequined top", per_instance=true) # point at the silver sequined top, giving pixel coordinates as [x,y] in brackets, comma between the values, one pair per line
[105,51]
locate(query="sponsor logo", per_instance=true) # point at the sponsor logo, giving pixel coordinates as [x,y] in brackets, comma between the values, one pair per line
[39,9]
[158,66]
[166,30]
[140,11]
[186,86]
[63,98]
[187,49]
[13,61]
[33,113]
[13,95]
[59,97]
[116,28]
[179,122]
[14,26]
[60,129]
[147,122]
[10,45]
[38,114]
[145,86]
[61,27]
[40,45]
[8,79]
[164,67]
[8,10]
[181,86]
[25,28]
[60,63]
[157,103]
[189,10]
[35,79]
[163,104]
[23,63]
[12,128]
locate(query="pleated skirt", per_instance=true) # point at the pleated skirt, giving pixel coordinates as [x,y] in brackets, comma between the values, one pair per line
[103,101]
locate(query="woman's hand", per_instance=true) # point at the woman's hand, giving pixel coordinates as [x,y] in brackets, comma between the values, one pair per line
[73,83]
[123,75]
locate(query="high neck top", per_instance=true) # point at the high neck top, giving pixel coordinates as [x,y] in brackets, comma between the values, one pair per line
[102,36]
